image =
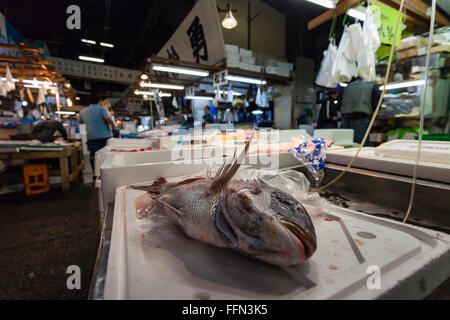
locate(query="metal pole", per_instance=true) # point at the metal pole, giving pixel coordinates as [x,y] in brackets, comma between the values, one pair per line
[249,22]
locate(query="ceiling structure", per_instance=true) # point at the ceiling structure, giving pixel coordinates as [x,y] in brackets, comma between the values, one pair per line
[139,28]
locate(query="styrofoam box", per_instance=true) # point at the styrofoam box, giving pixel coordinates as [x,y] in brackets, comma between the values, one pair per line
[353,249]
[339,136]
[244,52]
[431,151]
[271,70]
[368,159]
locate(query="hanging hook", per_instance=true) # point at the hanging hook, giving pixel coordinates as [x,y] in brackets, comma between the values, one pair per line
[345,16]
[331,34]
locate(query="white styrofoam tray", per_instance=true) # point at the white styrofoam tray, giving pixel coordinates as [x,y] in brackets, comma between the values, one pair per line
[367,159]
[163,263]
[432,151]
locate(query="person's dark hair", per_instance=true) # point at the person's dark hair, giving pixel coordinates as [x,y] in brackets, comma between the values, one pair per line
[93,98]
[208,108]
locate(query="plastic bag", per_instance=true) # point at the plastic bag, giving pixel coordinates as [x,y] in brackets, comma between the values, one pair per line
[312,154]
[369,44]
[324,77]
[343,69]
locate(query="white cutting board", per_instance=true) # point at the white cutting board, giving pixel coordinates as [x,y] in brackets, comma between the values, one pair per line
[166,264]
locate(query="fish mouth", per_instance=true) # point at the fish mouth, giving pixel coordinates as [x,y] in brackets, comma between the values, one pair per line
[307,238]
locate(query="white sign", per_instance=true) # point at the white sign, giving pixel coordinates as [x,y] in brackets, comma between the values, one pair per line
[199,38]
[220,78]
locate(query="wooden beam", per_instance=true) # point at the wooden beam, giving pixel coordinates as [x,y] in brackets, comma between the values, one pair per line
[421,8]
[340,9]
[5,58]
[411,17]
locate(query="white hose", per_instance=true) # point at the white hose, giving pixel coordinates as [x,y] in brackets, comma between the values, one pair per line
[422,113]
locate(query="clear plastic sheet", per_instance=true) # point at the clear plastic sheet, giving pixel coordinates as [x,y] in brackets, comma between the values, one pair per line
[292,182]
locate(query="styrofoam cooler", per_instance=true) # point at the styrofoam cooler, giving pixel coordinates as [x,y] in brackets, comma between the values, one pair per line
[432,151]
[358,257]
[341,137]
[368,159]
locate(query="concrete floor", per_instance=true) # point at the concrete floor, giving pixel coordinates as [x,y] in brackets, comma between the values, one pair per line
[41,236]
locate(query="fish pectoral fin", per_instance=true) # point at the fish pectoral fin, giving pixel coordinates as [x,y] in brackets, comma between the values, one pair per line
[177,211]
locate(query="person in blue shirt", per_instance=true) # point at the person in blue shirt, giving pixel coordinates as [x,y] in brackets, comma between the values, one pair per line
[207,118]
[98,121]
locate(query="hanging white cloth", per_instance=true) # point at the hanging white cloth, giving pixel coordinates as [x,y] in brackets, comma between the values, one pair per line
[41,95]
[3,88]
[22,94]
[10,85]
[175,103]
[258,99]
[230,93]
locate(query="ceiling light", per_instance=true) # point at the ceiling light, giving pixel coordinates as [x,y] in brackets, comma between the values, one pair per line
[193,72]
[77,98]
[151,93]
[330,4]
[229,22]
[246,80]
[66,112]
[343,84]
[145,96]
[403,84]
[235,93]
[24,103]
[162,86]
[324,3]
[91,59]
[69,102]
[199,98]
[144,76]
[88,41]
[257,112]
[105,44]
[53,91]
[357,14]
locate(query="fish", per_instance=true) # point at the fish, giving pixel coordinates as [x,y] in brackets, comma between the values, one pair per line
[247,216]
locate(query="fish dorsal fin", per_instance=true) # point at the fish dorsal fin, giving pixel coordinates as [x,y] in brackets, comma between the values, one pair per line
[227,171]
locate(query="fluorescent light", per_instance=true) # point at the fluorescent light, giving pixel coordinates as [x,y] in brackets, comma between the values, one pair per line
[330,5]
[105,44]
[257,112]
[36,86]
[77,98]
[91,59]
[403,84]
[324,3]
[88,41]
[235,93]
[357,14]
[343,84]
[199,98]
[193,72]
[162,86]
[246,80]
[66,112]
[151,93]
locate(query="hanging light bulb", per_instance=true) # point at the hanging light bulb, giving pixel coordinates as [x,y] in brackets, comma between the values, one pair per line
[69,102]
[144,76]
[229,22]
